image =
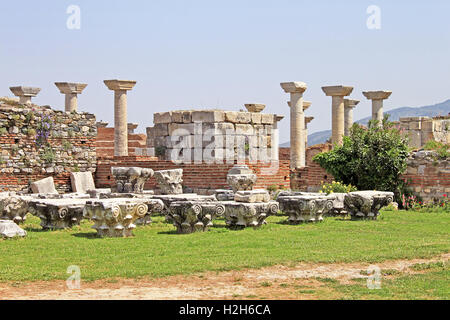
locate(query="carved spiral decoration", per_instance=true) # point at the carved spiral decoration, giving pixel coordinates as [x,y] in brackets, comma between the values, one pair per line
[312,205]
[274,208]
[62,213]
[197,209]
[158,207]
[220,210]
[389,200]
[115,211]
[329,205]
[141,209]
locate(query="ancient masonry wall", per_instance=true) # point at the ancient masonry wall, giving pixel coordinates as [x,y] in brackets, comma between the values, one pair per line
[420,130]
[105,143]
[176,134]
[428,175]
[199,178]
[72,146]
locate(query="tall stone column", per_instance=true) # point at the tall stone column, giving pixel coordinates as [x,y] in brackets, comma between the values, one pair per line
[307,121]
[275,143]
[298,152]
[120,88]
[71,90]
[337,93]
[349,105]
[25,93]
[377,98]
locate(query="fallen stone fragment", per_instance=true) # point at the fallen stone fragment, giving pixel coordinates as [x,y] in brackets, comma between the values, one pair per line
[8,229]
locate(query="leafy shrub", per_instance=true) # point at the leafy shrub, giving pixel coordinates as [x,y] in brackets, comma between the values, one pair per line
[442,149]
[371,158]
[48,155]
[3,131]
[337,187]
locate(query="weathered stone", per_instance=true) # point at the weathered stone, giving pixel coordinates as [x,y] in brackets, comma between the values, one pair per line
[238,117]
[25,93]
[131,179]
[162,118]
[154,206]
[305,208]
[71,91]
[169,199]
[241,215]
[14,208]
[8,229]
[252,196]
[377,98]
[208,116]
[224,195]
[44,186]
[241,178]
[57,214]
[115,217]
[82,182]
[194,216]
[97,193]
[367,204]
[255,107]
[169,181]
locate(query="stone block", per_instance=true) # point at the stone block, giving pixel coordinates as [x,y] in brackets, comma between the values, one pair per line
[8,229]
[44,186]
[366,204]
[240,215]
[208,116]
[169,181]
[256,118]
[244,129]
[82,182]
[267,118]
[213,129]
[252,196]
[162,117]
[161,130]
[182,129]
[238,117]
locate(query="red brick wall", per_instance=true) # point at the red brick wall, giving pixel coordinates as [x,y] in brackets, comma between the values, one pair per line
[195,176]
[105,142]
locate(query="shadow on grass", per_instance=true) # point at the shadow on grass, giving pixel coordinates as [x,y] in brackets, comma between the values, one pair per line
[86,235]
[32,229]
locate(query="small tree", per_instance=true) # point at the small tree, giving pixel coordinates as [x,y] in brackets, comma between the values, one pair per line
[372,158]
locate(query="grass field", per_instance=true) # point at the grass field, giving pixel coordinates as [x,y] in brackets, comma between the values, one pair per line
[157,251]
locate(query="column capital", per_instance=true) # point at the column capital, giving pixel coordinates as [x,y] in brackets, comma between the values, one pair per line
[306,105]
[70,87]
[294,87]
[25,91]
[349,103]
[116,85]
[255,107]
[377,95]
[279,117]
[339,91]
[308,120]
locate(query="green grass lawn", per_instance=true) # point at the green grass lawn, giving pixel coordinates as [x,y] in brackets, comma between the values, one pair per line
[158,251]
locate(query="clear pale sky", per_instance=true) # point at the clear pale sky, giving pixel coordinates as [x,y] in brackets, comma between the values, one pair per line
[206,53]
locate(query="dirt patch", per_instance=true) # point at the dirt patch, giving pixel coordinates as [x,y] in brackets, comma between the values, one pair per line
[277,282]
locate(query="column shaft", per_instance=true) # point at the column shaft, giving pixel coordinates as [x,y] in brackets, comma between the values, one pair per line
[71,102]
[348,121]
[120,123]
[338,120]
[377,111]
[25,100]
[298,156]
[275,143]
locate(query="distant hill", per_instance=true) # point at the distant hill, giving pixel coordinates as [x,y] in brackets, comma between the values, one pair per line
[440,109]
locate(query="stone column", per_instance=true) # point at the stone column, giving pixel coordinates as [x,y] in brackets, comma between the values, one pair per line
[120,88]
[71,90]
[377,98]
[275,143]
[349,105]
[298,152]
[307,121]
[25,93]
[337,93]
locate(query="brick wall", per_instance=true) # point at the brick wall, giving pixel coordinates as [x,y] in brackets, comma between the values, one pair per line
[199,177]
[105,142]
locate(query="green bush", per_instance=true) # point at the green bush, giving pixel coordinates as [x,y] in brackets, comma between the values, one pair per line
[48,155]
[371,158]
[442,149]
[337,187]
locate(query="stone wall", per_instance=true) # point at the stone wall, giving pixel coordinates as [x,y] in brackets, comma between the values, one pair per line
[185,135]
[71,146]
[429,175]
[420,130]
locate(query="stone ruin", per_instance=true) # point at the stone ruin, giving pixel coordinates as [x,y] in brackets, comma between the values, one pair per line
[131,180]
